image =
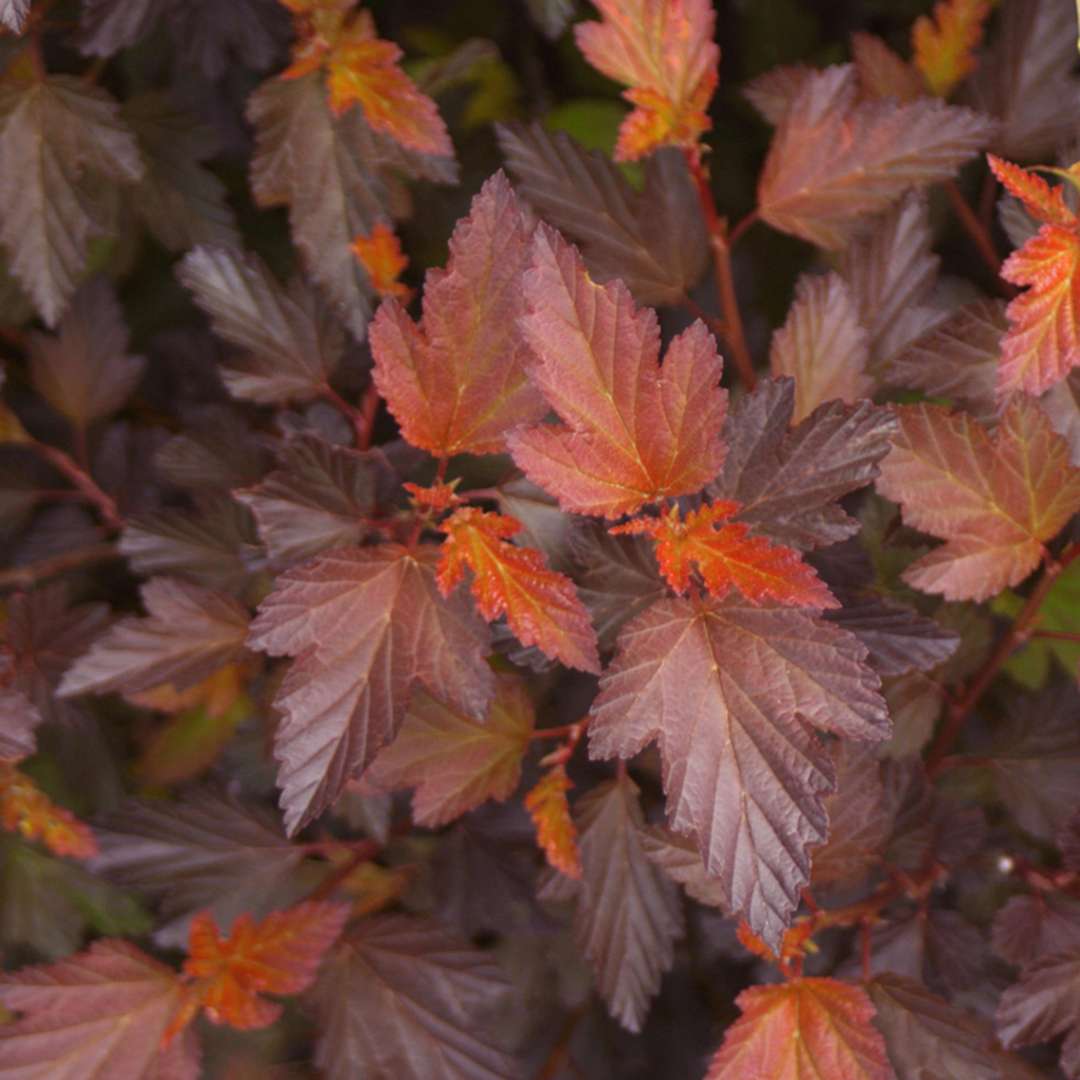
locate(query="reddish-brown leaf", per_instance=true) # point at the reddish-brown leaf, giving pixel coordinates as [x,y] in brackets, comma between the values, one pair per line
[633,431]
[279,955]
[995,500]
[882,73]
[456,381]
[27,810]
[541,606]
[664,51]
[804,1029]
[555,830]
[944,45]
[727,557]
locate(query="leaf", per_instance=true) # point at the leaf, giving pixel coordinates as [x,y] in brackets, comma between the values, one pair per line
[882,73]
[1045,1003]
[68,137]
[27,810]
[454,762]
[666,54]
[654,240]
[927,1038]
[188,633]
[556,832]
[679,858]
[18,719]
[633,431]
[800,1030]
[727,558]
[732,692]
[108,25]
[788,481]
[320,496]
[957,359]
[1026,80]
[335,175]
[1030,927]
[456,381]
[821,345]
[833,161]
[278,955]
[381,256]
[291,342]
[627,917]
[995,500]
[13,14]
[1042,202]
[541,606]
[944,44]
[772,92]
[181,201]
[84,371]
[1057,613]
[206,850]
[898,639]
[101,1011]
[366,625]
[402,996]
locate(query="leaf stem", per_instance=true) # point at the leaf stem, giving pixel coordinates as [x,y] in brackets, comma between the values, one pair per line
[979,235]
[25,577]
[1020,630]
[742,226]
[1057,635]
[82,480]
[354,415]
[362,853]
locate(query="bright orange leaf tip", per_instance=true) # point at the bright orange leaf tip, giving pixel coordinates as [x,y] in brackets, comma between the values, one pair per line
[727,557]
[1042,344]
[278,955]
[555,831]
[803,1029]
[663,50]
[437,498]
[944,45]
[31,813]
[380,255]
[362,69]
[541,605]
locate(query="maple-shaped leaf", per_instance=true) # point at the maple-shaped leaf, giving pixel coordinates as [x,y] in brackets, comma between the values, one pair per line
[834,160]
[654,239]
[102,1012]
[727,557]
[181,201]
[27,810]
[365,625]
[627,917]
[822,345]
[555,830]
[320,496]
[732,692]
[944,44]
[405,997]
[277,955]
[1027,79]
[188,633]
[1043,342]
[633,431]
[665,54]
[291,343]
[205,850]
[362,69]
[72,145]
[381,256]
[84,371]
[541,606]
[801,1030]
[1036,925]
[337,177]
[882,73]
[454,761]
[995,500]
[456,382]
[926,1037]
[1044,1004]
[13,14]
[788,481]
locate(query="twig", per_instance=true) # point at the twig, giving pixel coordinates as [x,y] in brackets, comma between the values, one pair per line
[741,227]
[82,480]
[561,1050]
[25,577]
[351,413]
[711,321]
[979,235]
[1057,635]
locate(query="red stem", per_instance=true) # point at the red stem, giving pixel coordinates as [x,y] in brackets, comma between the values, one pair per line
[82,480]
[25,577]
[979,235]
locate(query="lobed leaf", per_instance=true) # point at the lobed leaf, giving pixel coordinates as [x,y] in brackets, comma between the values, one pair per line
[944,44]
[556,832]
[27,810]
[882,73]
[13,14]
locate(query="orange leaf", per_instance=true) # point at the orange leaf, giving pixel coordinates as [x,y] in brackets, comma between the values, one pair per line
[944,46]
[217,693]
[728,557]
[804,1029]
[1040,200]
[664,51]
[555,832]
[541,606]
[437,498]
[27,810]
[279,955]
[380,255]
